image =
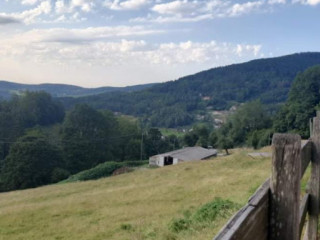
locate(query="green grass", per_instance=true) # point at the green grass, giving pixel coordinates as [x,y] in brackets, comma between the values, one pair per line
[171,131]
[141,205]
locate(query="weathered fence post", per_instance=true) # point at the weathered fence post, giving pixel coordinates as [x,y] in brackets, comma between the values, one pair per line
[285,187]
[311,127]
[314,185]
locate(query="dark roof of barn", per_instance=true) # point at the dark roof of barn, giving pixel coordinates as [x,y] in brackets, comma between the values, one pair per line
[190,153]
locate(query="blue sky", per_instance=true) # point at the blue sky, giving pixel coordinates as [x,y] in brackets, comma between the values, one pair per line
[126,42]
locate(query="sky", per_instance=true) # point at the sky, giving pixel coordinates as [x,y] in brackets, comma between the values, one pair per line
[93,43]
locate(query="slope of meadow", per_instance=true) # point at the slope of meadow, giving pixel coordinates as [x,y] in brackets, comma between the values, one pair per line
[137,205]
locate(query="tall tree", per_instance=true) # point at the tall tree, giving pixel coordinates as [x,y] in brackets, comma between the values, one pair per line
[86,138]
[30,163]
[37,108]
[128,139]
[248,118]
[304,96]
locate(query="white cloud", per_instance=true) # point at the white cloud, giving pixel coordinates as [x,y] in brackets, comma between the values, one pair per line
[195,11]
[307,2]
[84,5]
[99,46]
[110,61]
[62,6]
[245,48]
[29,2]
[30,16]
[183,7]
[272,2]
[75,36]
[181,19]
[244,8]
[126,5]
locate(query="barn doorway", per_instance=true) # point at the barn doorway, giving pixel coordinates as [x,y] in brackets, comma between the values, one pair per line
[168,160]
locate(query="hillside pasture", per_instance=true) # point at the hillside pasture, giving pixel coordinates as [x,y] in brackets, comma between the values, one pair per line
[133,206]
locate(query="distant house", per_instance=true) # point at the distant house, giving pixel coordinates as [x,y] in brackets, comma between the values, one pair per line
[182,155]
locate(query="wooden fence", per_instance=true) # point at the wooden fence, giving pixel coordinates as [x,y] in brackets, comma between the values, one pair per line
[277,211]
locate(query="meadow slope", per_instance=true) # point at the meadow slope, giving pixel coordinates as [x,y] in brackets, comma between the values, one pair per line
[134,206]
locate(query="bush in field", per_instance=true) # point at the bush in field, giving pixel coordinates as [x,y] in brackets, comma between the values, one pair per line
[210,211]
[102,170]
[260,138]
[206,214]
[59,174]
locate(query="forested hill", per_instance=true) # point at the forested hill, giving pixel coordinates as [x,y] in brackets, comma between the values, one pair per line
[176,103]
[62,90]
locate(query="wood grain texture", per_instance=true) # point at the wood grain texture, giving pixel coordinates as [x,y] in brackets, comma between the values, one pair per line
[306,152]
[303,212]
[251,222]
[285,187]
[315,182]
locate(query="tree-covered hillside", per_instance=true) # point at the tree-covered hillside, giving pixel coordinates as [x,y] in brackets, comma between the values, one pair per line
[62,90]
[302,103]
[176,103]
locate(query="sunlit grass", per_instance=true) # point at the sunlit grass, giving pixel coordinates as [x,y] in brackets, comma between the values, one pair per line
[137,205]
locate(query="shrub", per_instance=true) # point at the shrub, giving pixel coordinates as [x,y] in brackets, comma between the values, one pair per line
[102,170]
[126,227]
[207,213]
[180,224]
[211,210]
[59,174]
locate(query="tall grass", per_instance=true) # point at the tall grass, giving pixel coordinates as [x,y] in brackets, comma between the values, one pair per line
[140,205]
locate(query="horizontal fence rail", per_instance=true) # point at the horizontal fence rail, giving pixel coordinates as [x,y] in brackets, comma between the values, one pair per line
[251,222]
[277,211]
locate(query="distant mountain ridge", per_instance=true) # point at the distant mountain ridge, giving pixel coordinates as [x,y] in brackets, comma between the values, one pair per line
[181,102]
[63,90]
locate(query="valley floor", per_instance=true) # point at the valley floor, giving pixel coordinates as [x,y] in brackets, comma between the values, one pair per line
[134,206]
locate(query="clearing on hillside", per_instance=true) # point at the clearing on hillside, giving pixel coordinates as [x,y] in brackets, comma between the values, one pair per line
[164,203]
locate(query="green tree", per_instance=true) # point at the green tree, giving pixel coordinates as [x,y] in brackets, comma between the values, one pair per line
[86,138]
[248,118]
[128,139]
[30,163]
[303,98]
[155,143]
[224,142]
[202,131]
[190,139]
[255,140]
[26,111]
[37,108]
[213,138]
[173,142]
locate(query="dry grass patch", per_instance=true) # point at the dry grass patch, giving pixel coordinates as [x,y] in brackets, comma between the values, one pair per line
[134,206]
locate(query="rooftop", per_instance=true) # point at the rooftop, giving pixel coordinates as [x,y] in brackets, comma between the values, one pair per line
[190,153]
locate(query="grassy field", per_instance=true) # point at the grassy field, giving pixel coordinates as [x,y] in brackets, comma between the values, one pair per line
[134,206]
[171,131]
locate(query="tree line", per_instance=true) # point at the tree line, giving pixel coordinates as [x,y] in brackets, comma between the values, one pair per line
[41,143]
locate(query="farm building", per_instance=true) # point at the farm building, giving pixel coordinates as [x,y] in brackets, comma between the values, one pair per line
[182,155]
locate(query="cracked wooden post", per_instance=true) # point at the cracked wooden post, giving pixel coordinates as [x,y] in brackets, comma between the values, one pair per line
[314,186]
[285,187]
